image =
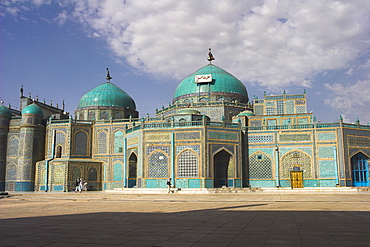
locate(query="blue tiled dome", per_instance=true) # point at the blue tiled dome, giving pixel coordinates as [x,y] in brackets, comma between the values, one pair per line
[32,109]
[107,94]
[222,82]
[4,111]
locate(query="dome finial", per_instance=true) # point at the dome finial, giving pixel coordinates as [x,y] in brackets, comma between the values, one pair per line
[210,56]
[108,76]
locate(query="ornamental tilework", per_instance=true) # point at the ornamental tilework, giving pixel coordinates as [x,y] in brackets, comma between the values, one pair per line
[118,142]
[327,136]
[150,149]
[223,135]
[300,109]
[27,170]
[13,146]
[195,148]
[102,142]
[187,164]
[260,166]
[296,159]
[60,138]
[187,135]
[217,147]
[93,174]
[325,152]
[11,172]
[359,142]
[158,165]
[295,137]
[59,176]
[157,137]
[260,138]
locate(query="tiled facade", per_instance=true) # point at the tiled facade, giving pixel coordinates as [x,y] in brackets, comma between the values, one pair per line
[203,144]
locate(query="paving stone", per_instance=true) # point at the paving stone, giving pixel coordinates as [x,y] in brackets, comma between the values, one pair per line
[103,219]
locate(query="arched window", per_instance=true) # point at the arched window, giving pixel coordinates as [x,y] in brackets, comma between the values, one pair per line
[91,115]
[29,120]
[60,138]
[81,117]
[76,173]
[118,142]
[187,164]
[93,174]
[260,166]
[58,151]
[360,170]
[104,115]
[158,165]
[11,172]
[81,143]
[58,176]
[13,146]
[102,142]
[117,115]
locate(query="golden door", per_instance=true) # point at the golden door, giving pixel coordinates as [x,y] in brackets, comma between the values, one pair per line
[296,179]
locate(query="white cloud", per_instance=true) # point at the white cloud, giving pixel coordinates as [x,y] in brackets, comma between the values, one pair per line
[274,43]
[351,99]
[61,18]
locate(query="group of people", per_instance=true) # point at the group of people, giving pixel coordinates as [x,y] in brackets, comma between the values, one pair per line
[80,186]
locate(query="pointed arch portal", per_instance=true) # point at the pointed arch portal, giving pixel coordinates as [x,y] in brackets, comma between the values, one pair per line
[132,174]
[360,170]
[221,162]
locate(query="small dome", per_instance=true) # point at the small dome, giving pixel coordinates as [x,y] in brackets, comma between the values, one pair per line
[222,82]
[246,113]
[32,109]
[107,94]
[5,112]
[189,111]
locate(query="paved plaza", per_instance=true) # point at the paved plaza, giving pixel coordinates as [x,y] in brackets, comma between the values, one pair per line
[250,219]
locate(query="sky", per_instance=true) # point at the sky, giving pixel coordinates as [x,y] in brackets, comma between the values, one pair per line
[59,50]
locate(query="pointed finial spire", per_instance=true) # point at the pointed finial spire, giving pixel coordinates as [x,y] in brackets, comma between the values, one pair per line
[108,76]
[210,56]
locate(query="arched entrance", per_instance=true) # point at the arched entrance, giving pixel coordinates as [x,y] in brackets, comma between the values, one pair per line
[132,174]
[221,162]
[360,170]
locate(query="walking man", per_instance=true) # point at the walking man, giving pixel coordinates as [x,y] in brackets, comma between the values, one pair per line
[78,185]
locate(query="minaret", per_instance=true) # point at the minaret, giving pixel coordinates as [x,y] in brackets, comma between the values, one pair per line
[31,148]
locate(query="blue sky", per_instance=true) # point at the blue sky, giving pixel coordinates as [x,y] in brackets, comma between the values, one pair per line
[58,50]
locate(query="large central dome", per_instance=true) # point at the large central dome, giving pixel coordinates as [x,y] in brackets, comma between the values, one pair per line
[107,94]
[223,85]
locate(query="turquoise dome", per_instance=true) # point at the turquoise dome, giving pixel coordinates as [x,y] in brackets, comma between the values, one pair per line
[107,94]
[246,113]
[222,82]
[5,112]
[32,109]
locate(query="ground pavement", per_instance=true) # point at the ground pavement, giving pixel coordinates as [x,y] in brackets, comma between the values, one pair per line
[102,219]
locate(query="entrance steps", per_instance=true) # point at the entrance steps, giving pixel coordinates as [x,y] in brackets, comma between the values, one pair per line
[280,190]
